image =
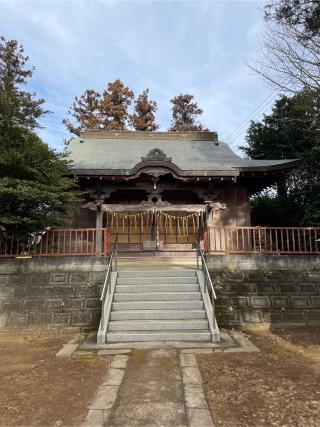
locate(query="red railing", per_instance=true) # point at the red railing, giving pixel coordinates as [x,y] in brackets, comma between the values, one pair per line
[56,242]
[276,240]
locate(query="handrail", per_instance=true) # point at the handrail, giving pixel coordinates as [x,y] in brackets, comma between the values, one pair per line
[205,269]
[106,281]
[208,292]
[113,256]
[204,265]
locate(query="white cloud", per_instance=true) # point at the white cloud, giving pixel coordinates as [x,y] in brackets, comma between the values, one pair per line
[171,47]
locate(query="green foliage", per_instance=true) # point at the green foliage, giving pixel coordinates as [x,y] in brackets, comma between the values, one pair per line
[316,267]
[17,107]
[231,269]
[291,131]
[218,283]
[35,191]
[264,271]
[282,267]
[267,210]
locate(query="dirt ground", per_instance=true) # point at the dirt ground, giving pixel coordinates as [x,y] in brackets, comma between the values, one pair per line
[37,389]
[280,386]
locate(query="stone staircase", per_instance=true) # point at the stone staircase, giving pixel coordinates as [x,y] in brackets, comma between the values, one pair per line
[159,305]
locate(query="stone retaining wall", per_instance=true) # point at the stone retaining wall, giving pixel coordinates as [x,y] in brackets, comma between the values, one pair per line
[61,292]
[64,292]
[266,289]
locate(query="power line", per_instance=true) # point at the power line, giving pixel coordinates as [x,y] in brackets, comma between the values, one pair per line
[260,109]
[245,126]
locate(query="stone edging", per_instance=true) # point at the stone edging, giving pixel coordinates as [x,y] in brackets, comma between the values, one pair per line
[100,408]
[198,413]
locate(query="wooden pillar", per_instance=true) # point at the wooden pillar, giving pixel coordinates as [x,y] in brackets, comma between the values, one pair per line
[99,224]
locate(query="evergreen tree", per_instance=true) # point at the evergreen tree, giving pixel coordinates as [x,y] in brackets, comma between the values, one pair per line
[292,130]
[85,110]
[34,188]
[17,107]
[114,106]
[185,113]
[143,118]
[35,191]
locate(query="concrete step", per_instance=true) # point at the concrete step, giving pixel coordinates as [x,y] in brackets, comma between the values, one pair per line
[161,255]
[158,305]
[157,314]
[136,336]
[157,325]
[156,279]
[157,273]
[157,296]
[158,288]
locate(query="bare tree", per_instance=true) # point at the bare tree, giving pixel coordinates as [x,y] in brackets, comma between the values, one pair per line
[289,52]
[288,60]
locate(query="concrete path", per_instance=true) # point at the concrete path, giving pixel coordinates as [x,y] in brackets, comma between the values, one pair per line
[155,387]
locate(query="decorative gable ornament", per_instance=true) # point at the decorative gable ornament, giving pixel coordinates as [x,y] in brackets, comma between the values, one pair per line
[156,155]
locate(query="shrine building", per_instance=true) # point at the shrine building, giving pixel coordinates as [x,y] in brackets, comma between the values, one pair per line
[159,190]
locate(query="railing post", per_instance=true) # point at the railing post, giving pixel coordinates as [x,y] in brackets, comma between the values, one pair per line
[102,314]
[99,224]
[105,246]
[116,253]
[204,274]
[213,309]
[197,258]
[197,252]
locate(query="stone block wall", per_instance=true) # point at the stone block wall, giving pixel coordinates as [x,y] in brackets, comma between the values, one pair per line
[64,292]
[266,289]
[55,292]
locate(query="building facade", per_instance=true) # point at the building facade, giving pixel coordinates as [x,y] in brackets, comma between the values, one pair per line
[161,189]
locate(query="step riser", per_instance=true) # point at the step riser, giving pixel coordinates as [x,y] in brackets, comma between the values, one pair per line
[156,273]
[158,296]
[156,280]
[166,336]
[158,315]
[157,288]
[155,305]
[157,326]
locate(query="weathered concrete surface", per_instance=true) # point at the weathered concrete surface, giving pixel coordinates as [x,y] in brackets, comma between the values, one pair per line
[154,387]
[113,377]
[245,262]
[70,347]
[256,288]
[57,291]
[277,290]
[106,396]
[198,413]
[151,392]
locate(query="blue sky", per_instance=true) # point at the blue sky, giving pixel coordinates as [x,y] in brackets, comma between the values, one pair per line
[170,47]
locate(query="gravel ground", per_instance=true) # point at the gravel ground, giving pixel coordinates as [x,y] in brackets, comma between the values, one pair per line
[37,389]
[278,387]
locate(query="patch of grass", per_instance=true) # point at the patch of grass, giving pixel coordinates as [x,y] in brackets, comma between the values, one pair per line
[263,270]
